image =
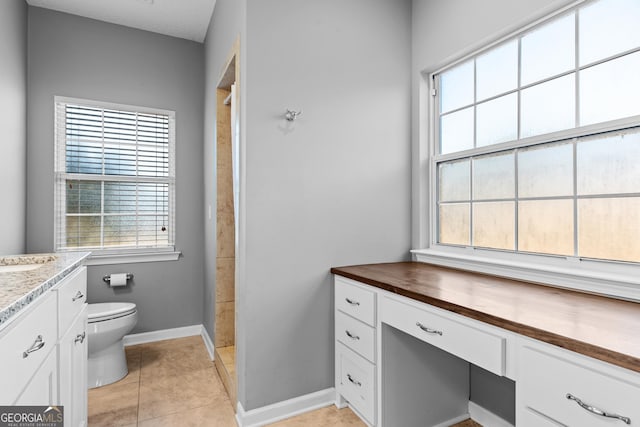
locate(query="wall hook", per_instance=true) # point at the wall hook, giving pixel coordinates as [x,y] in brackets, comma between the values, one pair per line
[291,115]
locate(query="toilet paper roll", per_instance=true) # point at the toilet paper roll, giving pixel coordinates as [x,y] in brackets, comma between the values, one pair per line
[119,279]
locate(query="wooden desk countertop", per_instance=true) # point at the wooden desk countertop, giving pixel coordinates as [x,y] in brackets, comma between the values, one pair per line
[603,328]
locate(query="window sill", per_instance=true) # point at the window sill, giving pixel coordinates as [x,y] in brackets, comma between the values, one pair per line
[575,275]
[132,257]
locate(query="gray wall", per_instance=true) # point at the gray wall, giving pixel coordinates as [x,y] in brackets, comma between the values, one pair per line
[441,32]
[332,188]
[79,57]
[13,122]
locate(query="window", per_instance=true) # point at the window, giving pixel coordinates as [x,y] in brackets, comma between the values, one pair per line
[114,178]
[537,141]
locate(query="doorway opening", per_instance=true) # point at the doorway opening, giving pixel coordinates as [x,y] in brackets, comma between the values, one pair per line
[227,142]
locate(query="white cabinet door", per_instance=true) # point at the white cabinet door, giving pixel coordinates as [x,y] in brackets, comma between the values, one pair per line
[43,387]
[73,372]
[25,344]
[72,295]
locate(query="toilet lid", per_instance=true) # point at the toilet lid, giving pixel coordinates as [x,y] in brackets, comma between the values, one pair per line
[109,310]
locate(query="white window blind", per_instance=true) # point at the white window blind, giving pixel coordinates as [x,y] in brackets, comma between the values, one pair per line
[114,177]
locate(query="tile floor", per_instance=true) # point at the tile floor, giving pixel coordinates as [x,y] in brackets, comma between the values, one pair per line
[174,383]
[225,364]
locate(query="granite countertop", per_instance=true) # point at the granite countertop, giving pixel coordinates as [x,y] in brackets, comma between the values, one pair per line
[19,288]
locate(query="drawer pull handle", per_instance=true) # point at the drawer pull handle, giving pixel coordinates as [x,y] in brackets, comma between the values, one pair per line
[80,338]
[428,330]
[352,302]
[356,382]
[78,296]
[37,345]
[350,335]
[597,411]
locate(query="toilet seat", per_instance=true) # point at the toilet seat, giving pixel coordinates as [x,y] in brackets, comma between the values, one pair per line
[109,310]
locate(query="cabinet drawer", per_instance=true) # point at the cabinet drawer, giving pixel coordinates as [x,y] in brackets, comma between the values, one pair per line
[355,300]
[546,381]
[33,333]
[357,382]
[531,418]
[473,345]
[355,335]
[72,294]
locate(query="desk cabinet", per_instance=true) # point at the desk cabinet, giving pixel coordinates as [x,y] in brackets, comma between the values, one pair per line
[565,388]
[396,356]
[355,336]
[440,329]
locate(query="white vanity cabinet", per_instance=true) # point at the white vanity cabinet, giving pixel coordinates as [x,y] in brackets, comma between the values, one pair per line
[44,351]
[72,347]
[42,389]
[28,352]
[73,372]
[355,333]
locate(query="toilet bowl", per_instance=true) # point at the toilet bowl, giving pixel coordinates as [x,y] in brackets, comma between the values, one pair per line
[107,324]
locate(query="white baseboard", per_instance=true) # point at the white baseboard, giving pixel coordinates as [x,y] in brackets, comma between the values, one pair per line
[208,343]
[486,418]
[288,408]
[165,334]
[453,421]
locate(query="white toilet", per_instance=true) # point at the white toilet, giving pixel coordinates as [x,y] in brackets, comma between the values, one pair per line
[108,323]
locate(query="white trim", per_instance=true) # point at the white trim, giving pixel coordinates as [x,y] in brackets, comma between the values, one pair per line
[617,126]
[452,421]
[485,417]
[285,409]
[208,343]
[61,175]
[111,105]
[610,278]
[161,335]
[132,257]
[167,334]
[517,29]
[618,285]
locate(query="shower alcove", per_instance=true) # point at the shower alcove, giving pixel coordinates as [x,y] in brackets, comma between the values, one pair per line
[226,224]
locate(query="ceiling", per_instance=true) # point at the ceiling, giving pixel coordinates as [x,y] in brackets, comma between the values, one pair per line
[187,19]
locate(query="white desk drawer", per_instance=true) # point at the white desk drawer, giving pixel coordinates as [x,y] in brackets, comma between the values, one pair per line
[531,418]
[546,388]
[25,344]
[72,294]
[357,382]
[355,300]
[474,345]
[356,335]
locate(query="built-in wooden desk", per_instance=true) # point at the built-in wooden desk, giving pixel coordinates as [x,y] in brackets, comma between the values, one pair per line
[597,327]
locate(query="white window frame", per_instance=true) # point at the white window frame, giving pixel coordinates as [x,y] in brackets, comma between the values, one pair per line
[611,278]
[115,255]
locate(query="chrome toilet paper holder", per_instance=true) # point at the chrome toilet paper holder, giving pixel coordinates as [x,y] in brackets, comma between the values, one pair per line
[107,278]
